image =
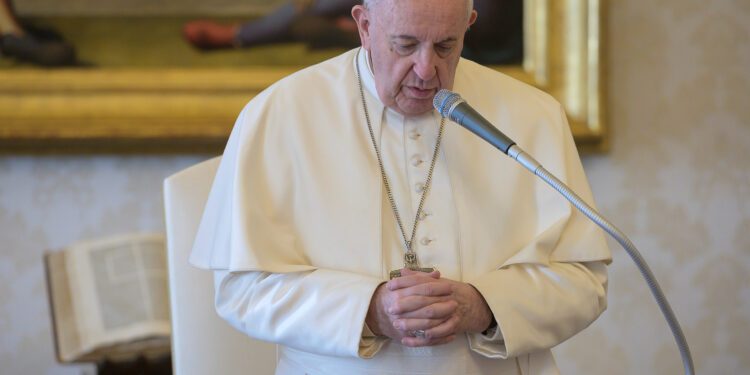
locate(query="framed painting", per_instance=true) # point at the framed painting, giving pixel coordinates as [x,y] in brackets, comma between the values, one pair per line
[140,84]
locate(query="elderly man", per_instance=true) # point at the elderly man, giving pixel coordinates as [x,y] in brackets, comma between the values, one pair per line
[350,224]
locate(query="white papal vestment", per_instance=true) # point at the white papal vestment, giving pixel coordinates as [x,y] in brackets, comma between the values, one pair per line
[300,232]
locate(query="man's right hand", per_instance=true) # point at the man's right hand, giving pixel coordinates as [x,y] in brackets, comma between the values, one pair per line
[422,300]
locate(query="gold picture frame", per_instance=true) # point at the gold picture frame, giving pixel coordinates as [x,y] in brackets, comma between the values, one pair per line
[187,110]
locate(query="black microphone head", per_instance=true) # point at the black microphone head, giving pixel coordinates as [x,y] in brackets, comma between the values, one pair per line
[444,102]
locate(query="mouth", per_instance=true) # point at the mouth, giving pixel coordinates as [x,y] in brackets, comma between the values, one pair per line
[419,93]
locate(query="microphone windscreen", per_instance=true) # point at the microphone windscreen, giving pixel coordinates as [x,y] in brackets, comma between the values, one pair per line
[444,101]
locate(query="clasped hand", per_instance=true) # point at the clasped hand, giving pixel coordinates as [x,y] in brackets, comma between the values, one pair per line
[440,307]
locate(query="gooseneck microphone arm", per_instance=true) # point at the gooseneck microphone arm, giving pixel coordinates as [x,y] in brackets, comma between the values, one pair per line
[453,107]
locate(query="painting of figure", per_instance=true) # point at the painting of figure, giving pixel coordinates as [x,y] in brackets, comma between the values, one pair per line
[496,38]
[24,42]
[106,33]
[92,68]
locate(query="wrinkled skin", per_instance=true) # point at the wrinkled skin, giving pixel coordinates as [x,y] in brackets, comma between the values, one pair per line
[414,46]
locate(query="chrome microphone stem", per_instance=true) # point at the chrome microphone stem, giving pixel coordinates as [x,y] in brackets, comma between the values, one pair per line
[452,106]
[525,159]
[535,167]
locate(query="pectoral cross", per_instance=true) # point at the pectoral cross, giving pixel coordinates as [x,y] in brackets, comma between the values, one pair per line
[412,263]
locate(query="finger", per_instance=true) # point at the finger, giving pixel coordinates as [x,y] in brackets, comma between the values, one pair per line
[412,279]
[408,325]
[443,329]
[427,289]
[439,310]
[416,341]
[407,272]
[403,305]
[433,328]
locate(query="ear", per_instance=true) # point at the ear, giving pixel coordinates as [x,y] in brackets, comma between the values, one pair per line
[473,17]
[361,16]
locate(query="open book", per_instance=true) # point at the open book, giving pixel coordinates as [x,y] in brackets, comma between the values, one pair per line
[109,299]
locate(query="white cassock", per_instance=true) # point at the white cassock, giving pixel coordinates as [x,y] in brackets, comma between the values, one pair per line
[300,233]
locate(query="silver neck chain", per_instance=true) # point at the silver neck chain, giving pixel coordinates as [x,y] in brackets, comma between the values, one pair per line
[409,243]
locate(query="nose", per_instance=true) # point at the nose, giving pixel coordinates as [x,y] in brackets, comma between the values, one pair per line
[424,64]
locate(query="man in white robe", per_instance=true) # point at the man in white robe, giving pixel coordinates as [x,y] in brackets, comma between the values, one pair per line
[302,237]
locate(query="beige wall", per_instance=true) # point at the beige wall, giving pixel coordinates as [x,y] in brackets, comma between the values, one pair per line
[47,203]
[677,181]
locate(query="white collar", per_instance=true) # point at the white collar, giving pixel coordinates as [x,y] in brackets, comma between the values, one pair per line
[368,77]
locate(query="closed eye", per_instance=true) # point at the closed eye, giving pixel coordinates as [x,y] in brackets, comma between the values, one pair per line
[405,48]
[444,50]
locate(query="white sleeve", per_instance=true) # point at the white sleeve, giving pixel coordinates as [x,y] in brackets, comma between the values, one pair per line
[321,311]
[537,307]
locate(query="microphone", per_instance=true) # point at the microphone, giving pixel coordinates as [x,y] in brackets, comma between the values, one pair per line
[450,105]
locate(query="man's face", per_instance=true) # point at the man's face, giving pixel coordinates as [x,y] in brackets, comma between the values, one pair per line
[414,46]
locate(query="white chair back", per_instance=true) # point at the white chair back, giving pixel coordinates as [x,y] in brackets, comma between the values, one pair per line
[202,343]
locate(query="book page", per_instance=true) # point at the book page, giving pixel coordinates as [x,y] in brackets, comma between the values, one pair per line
[66,339]
[119,289]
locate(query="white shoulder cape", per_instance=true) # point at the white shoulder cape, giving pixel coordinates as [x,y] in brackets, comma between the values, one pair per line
[299,188]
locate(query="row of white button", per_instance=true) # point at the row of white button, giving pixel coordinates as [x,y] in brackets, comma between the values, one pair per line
[416,161]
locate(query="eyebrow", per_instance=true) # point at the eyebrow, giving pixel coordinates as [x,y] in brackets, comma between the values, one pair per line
[411,37]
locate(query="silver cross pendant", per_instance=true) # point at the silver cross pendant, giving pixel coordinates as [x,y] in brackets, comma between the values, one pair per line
[412,263]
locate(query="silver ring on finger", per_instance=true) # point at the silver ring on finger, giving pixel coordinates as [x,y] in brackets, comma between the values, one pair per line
[418,333]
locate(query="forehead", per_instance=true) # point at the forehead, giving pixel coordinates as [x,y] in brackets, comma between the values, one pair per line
[424,19]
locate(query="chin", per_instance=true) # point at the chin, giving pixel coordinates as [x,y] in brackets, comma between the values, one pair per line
[416,107]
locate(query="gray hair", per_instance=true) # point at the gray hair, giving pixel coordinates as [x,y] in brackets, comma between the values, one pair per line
[469,4]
